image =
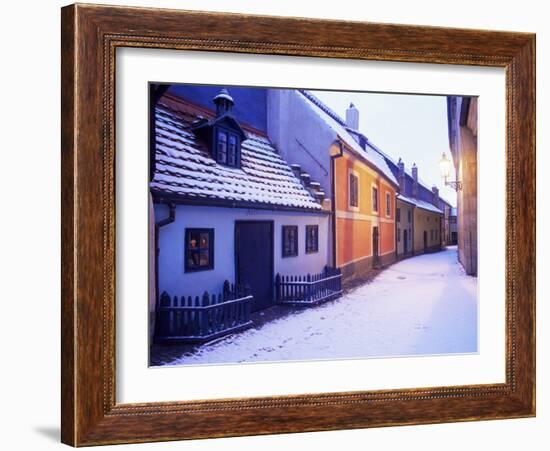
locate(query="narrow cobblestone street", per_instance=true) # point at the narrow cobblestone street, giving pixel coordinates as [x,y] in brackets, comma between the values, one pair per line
[419,306]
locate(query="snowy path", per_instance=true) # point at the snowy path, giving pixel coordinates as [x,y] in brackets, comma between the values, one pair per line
[422,305]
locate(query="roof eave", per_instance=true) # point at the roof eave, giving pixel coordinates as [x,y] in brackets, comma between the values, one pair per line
[181,199]
[367,162]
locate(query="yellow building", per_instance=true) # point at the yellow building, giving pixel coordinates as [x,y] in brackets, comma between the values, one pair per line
[404,218]
[419,217]
[427,230]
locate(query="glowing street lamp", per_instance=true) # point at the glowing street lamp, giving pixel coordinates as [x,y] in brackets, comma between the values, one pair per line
[445,166]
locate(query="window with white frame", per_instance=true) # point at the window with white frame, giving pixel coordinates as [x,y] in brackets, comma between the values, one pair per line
[353,190]
[374,198]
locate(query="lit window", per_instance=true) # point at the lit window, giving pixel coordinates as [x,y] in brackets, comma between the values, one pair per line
[290,241]
[199,249]
[312,239]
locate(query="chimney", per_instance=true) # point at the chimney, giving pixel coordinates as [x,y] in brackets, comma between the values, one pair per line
[401,176]
[320,196]
[415,181]
[306,178]
[224,102]
[315,186]
[316,191]
[352,117]
[435,196]
[296,170]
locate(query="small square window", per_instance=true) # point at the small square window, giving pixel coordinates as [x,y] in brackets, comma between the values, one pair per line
[312,239]
[199,249]
[290,241]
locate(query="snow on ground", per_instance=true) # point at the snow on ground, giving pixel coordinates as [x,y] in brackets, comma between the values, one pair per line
[422,305]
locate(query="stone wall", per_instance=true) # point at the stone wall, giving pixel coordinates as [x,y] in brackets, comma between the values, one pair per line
[462,115]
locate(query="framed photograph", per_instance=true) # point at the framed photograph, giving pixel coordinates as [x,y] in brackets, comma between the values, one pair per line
[279,225]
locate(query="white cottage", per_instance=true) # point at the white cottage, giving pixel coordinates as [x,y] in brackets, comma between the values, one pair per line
[227,206]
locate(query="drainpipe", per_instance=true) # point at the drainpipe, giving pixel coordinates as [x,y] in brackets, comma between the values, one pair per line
[333,199]
[171,218]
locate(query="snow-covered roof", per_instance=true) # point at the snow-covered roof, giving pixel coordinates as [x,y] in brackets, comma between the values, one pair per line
[185,169]
[338,126]
[419,203]
[408,172]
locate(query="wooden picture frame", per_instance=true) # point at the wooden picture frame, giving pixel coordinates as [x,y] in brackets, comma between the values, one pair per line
[90,36]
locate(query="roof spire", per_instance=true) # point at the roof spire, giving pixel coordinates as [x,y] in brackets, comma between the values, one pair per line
[224,102]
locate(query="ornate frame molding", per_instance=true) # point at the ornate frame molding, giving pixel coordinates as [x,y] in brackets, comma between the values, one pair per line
[90,37]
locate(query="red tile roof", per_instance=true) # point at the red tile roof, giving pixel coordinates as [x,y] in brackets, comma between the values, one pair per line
[184,168]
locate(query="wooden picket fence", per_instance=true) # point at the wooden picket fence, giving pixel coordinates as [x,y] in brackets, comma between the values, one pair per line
[309,289]
[203,318]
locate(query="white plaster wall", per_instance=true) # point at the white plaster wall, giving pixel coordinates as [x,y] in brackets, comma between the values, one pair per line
[172,275]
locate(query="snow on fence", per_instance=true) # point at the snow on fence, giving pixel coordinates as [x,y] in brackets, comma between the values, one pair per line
[309,289]
[201,319]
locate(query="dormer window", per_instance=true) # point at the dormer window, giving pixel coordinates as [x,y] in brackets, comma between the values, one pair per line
[227,147]
[223,134]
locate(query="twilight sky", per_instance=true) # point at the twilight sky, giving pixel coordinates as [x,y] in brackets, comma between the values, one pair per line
[413,127]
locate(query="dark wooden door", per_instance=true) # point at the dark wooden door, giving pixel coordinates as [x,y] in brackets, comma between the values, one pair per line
[375,250]
[405,242]
[254,260]
[425,240]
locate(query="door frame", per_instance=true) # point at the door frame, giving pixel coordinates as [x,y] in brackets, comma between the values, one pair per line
[271,223]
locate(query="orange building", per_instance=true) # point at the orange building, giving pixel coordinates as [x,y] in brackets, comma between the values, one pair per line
[321,145]
[364,210]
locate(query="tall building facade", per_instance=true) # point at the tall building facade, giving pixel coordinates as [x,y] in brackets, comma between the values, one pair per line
[462,121]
